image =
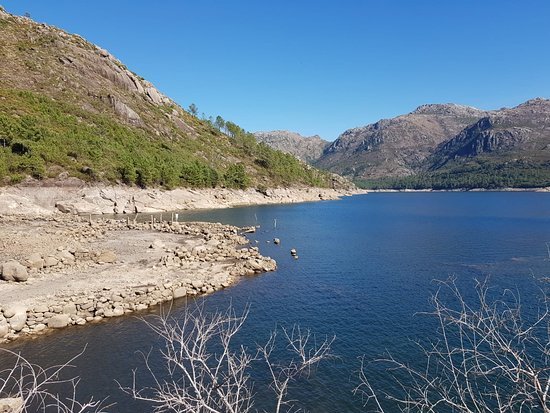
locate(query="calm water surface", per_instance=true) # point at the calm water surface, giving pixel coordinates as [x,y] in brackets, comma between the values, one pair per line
[367,265]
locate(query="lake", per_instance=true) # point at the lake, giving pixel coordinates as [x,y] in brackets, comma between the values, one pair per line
[367,266]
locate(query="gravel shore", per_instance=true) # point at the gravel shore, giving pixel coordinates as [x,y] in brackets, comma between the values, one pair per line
[73,271]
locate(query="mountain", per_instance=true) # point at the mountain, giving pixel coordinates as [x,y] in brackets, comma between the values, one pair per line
[520,132]
[399,146]
[308,149]
[68,107]
[448,146]
[507,148]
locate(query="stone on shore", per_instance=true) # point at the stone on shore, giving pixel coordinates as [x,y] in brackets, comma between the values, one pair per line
[4,328]
[11,405]
[66,257]
[59,321]
[41,308]
[69,309]
[180,292]
[39,327]
[14,271]
[17,316]
[50,261]
[78,207]
[35,261]
[106,257]
[197,284]
[157,244]
[11,310]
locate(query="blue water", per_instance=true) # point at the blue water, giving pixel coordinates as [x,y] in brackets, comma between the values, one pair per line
[367,265]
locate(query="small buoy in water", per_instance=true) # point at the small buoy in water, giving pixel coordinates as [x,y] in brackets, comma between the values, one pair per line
[276,241]
[295,257]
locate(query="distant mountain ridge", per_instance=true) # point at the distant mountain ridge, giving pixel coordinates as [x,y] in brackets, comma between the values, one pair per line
[398,146]
[308,149]
[448,146]
[440,146]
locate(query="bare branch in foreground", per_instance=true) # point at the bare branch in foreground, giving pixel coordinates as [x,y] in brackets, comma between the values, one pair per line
[36,388]
[306,355]
[488,359]
[205,371]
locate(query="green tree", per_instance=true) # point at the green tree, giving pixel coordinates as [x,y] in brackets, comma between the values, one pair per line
[235,177]
[232,129]
[219,123]
[193,109]
[127,170]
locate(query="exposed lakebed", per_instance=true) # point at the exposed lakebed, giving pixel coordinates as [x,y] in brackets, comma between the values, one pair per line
[367,265]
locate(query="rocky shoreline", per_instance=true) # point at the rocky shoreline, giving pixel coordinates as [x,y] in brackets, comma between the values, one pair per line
[72,270]
[74,197]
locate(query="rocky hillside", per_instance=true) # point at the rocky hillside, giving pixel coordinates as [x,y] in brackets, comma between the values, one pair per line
[522,132]
[308,149]
[448,146]
[396,147]
[506,148]
[69,108]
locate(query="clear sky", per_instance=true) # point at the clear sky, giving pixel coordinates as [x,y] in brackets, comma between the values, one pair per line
[317,66]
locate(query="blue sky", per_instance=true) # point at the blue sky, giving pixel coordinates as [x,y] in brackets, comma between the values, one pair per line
[316,66]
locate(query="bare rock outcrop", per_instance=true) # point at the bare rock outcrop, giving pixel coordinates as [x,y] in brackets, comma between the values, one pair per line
[125,111]
[125,200]
[13,271]
[308,149]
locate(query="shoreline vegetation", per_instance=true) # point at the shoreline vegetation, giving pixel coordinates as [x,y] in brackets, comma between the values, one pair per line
[388,190]
[489,176]
[69,269]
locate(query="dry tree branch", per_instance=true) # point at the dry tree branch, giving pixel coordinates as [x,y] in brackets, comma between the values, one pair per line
[206,371]
[489,358]
[35,387]
[306,355]
[203,372]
